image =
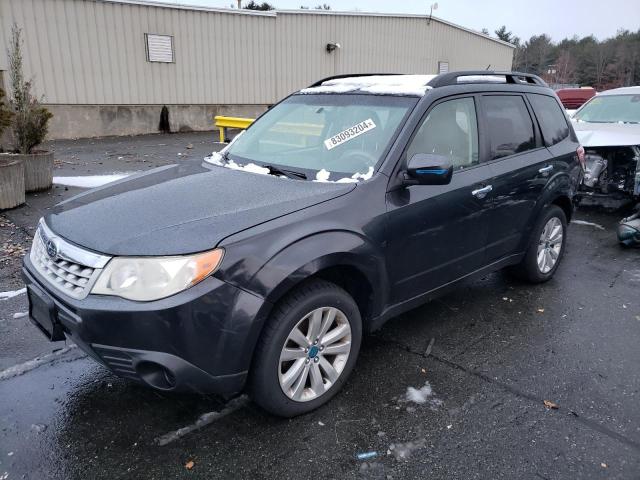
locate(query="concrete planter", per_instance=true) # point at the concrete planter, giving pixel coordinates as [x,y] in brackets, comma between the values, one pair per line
[38,169]
[11,181]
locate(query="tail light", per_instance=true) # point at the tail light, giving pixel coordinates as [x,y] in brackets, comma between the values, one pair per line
[580,153]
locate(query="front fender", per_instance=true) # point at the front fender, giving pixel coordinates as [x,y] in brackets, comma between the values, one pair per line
[298,261]
[310,255]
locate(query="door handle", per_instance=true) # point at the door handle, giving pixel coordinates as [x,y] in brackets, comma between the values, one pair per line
[546,169]
[482,192]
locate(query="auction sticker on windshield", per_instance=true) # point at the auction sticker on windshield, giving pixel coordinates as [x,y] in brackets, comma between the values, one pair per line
[349,134]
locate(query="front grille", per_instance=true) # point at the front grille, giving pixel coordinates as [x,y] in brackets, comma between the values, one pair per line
[62,267]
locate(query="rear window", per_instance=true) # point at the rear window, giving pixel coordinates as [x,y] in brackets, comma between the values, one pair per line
[551,118]
[509,125]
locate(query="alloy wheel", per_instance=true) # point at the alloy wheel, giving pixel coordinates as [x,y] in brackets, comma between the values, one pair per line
[550,244]
[314,354]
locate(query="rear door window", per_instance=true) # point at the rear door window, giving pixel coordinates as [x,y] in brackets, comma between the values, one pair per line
[509,125]
[550,117]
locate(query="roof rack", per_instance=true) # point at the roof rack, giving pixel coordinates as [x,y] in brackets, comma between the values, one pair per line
[518,78]
[349,75]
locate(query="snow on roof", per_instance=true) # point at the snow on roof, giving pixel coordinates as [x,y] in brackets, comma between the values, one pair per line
[415,85]
[622,91]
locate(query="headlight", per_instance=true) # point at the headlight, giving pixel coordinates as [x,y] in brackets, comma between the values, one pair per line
[153,278]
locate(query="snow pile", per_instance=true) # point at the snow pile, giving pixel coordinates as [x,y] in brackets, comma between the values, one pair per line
[377,84]
[249,167]
[588,224]
[29,365]
[12,293]
[203,420]
[215,159]
[421,395]
[323,176]
[402,451]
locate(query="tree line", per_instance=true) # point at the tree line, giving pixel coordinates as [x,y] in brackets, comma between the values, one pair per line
[587,61]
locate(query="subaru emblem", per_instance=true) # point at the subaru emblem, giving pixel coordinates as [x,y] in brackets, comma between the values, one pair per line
[52,249]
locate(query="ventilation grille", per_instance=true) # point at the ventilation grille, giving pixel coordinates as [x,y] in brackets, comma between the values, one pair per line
[118,361]
[159,48]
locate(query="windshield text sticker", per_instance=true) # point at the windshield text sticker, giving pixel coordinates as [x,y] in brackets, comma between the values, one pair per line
[349,134]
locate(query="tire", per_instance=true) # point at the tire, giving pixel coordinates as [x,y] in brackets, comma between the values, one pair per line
[272,383]
[529,269]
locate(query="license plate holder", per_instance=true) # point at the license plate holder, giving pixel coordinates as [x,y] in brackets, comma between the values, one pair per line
[42,313]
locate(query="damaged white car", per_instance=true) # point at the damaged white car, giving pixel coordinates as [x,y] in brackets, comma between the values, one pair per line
[608,127]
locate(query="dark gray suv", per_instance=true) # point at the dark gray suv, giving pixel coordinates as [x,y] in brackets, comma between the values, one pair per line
[347,203]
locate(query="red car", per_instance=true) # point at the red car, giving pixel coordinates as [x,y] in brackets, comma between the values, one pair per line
[574,98]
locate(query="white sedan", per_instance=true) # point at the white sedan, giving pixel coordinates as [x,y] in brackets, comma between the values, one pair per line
[608,127]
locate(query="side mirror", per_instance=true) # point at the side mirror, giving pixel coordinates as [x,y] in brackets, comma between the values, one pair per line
[428,169]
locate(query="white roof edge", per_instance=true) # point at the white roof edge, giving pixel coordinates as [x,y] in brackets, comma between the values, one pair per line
[274,13]
[632,89]
[185,6]
[304,11]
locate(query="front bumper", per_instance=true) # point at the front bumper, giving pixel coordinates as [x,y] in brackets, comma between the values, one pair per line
[201,339]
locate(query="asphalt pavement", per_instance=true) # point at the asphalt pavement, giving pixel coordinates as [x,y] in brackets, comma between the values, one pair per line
[499,379]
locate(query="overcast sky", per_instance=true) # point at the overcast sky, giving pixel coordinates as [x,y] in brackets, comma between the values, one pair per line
[558,18]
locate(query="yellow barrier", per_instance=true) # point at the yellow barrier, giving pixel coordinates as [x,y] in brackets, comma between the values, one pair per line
[231,122]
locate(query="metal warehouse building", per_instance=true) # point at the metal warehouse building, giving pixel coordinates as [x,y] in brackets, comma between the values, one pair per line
[107,67]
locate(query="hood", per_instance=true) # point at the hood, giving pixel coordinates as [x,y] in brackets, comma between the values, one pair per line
[181,209]
[607,134]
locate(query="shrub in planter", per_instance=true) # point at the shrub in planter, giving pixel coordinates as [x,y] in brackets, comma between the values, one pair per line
[11,169]
[30,122]
[5,115]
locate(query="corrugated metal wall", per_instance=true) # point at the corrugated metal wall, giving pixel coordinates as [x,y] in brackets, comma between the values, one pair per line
[92,52]
[376,43]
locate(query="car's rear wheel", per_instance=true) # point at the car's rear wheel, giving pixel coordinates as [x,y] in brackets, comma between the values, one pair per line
[546,248]
[307,349]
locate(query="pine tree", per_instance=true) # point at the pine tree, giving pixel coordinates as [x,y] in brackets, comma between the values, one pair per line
[30,118]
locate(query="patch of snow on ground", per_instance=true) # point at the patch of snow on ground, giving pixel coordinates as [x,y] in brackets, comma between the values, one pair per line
[20,315]
[89,181]
[588,224]
[34,363]
[11,294]
[419,395]
[203,420]
[402,451]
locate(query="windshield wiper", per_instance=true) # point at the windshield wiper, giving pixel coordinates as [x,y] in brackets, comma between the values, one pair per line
[287,173]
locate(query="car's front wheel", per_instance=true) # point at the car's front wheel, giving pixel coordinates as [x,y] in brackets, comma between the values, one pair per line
[307,349]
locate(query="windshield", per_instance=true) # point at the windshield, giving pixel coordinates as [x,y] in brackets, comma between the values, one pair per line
[611,109]
[328,137]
